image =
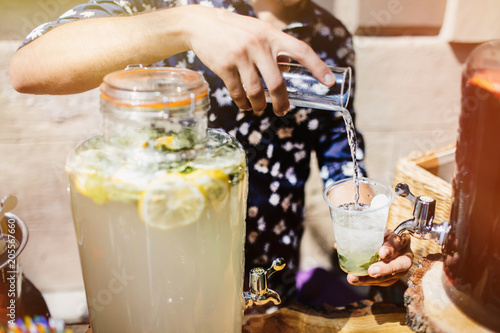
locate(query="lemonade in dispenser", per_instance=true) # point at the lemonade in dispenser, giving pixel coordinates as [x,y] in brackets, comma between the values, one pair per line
[159,206]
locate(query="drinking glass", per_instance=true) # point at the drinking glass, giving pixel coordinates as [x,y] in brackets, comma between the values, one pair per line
[359,227]
[305,90]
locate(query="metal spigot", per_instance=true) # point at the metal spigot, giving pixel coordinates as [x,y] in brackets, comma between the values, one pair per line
[9,202]
[259,294]
[422,224]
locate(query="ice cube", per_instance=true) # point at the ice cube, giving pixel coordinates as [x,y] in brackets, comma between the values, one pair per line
[378,201]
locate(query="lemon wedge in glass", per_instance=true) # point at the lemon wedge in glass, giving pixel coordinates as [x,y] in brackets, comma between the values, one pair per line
[171,201]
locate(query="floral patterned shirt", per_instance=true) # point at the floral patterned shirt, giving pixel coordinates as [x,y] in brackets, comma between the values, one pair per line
[278,148]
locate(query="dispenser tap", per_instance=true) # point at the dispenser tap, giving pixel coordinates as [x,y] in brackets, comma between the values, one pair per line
[422,224]
[259,294]
[8,203]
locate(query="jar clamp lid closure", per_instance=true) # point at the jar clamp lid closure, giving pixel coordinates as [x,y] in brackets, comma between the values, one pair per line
[159,92]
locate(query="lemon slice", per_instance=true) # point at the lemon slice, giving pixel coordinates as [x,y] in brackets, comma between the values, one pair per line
[126,184]
[92,186]
[170,202]
[86,170]
[165,142]
[213,183]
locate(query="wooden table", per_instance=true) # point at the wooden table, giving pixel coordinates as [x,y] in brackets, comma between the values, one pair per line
[79,328]
[429,307]
[365,316]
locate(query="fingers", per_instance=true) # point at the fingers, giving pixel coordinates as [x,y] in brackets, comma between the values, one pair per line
[235,88]
[398,265]
[251,50]
[383,273]
[262,59]
[397,259]
[248,93]
[395,246]
[383,281]
[304,54]
[246,89]
[276,87]
[253,87]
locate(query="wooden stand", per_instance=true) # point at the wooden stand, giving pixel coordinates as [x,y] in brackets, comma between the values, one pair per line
[429,308]
[365,316]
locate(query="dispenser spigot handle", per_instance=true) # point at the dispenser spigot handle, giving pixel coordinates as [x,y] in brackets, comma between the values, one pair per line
[259,292]
[277,265]
[422,224]
[8,203]
[403,190]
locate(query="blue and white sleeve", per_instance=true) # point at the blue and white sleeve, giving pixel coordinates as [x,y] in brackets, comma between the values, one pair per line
[98,8]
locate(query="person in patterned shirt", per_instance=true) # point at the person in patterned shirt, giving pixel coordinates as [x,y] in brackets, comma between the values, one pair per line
[230,42]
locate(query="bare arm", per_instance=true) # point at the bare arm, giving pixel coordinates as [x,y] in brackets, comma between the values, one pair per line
[75,57]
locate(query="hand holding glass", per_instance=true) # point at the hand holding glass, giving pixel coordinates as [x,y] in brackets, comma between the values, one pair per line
[359,229]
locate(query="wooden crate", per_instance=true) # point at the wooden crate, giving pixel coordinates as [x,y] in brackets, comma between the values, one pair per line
[421,171]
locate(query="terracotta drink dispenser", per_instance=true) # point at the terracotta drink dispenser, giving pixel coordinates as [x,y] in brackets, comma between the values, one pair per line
[471,239]
[472,249]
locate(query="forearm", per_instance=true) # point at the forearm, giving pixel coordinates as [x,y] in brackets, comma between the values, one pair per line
[74,57]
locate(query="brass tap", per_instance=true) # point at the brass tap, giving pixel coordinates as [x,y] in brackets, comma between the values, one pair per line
[259,294]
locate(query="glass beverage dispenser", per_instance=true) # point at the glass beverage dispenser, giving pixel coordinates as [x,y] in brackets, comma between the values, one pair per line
[159,205]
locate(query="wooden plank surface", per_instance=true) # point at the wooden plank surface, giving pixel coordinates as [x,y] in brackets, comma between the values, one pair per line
[365,316]
[79,328]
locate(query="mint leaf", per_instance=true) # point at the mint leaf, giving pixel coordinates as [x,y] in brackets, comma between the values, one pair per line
[373,259]
[342,260]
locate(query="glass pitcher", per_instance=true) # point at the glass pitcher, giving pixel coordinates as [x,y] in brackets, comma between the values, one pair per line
[472,250]
[159,206]
[305,90]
